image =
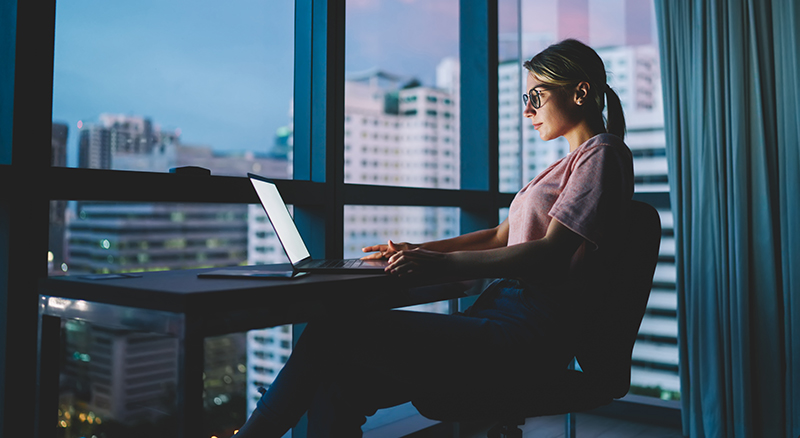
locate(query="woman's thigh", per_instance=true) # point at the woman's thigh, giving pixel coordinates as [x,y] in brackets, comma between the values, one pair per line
[411,349]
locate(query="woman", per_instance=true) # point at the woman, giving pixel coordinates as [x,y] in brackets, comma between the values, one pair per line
[562,227]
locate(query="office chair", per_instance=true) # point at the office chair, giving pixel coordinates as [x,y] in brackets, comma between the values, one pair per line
[604,354]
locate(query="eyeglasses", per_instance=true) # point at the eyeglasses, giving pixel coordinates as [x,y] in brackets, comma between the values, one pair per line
[534,96]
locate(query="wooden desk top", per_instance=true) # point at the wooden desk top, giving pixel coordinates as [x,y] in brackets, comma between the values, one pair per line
[228,304]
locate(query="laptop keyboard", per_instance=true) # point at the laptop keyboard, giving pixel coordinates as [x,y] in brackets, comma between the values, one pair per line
[334,263]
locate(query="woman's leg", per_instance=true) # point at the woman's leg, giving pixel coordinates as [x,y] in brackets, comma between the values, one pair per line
[374,361]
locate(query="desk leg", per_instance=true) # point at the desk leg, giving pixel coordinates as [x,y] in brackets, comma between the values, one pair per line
[47,373]
[191,361]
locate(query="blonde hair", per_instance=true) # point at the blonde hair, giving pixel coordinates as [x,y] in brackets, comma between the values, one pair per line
[570,62]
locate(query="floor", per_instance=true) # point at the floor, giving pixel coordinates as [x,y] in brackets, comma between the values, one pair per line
[589,426]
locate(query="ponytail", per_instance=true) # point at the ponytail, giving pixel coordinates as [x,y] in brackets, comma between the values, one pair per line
[615,121]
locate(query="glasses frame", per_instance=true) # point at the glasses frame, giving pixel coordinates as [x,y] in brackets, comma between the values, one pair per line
[535,96]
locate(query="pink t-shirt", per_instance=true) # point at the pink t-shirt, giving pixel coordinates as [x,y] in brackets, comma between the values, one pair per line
[588,191]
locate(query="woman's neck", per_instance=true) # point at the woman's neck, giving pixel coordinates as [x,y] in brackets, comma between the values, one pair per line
[583,132]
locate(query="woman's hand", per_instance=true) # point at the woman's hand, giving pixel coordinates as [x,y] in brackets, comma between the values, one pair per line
[386,251]
[418,260]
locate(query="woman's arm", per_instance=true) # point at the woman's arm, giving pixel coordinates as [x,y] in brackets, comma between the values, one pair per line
[496,237]
[550,255]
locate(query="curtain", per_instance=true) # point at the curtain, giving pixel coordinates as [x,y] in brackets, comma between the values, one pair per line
[731,87]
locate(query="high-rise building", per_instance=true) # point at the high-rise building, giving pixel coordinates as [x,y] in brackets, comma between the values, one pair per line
[267,352]
[402,135]
[143,237]
[119,135]
[133,375]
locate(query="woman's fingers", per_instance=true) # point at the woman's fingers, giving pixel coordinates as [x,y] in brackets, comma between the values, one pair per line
[379,252]
[415,260]
[400,265]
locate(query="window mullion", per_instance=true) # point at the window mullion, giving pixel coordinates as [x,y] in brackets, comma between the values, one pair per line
[479,153]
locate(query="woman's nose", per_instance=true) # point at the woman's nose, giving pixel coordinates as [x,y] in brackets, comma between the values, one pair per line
[529,110]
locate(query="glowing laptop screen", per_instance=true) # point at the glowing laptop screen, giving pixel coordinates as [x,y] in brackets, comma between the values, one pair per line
[281,220]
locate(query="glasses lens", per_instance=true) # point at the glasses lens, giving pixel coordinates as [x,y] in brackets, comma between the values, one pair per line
[533,96]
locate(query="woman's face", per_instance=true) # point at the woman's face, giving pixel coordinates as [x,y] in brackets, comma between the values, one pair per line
[558,113]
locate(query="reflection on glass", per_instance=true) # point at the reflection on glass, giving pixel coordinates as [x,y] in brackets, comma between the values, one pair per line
[624,35]
[168,84]
[402,94]
[115,380]
[110,237]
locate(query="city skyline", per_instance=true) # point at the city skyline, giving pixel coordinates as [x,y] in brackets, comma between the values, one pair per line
[223,77]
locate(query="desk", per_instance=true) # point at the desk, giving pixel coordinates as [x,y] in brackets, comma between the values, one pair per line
[180,304]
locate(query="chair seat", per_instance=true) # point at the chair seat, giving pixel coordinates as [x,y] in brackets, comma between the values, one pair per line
[568,391]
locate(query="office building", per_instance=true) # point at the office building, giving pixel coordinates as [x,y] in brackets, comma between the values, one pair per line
[119,135]
[401,134]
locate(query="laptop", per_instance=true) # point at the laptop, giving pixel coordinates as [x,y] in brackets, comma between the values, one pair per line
[292,242]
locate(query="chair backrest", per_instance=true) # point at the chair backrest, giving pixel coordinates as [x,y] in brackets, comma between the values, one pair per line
[604,353]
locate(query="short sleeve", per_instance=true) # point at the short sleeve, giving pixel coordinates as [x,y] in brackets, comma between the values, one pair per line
[596,189]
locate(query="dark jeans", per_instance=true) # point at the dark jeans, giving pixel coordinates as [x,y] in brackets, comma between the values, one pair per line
[342,371]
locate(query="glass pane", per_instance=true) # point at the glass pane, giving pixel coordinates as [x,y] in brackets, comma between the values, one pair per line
[267,351]
[625,36]
[401,94]
[114,381]
[109,237]
[162,84]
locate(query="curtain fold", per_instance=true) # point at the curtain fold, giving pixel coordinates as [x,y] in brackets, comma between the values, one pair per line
[731,75]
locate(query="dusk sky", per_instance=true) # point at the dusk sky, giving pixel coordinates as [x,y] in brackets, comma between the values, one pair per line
[223,75]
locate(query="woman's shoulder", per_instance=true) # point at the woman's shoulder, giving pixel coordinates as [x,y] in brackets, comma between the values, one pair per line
[606,143]
[604,140]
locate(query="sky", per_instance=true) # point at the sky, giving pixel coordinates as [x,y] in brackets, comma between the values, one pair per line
[224,75]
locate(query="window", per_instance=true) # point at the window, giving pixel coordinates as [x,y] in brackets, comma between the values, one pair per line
[392,79]
[198,85]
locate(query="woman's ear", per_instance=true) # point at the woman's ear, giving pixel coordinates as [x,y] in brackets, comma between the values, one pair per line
[582,92]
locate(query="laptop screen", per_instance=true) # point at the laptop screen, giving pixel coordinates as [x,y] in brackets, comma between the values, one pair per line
[281,221]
